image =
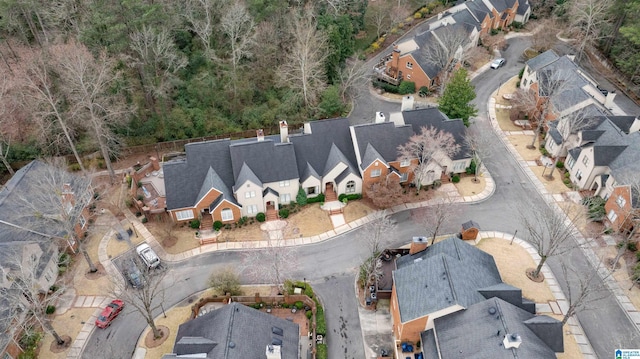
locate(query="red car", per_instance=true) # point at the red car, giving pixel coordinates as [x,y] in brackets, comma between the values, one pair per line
[109,313]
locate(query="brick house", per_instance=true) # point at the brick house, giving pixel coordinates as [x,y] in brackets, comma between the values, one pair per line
[623,208]
[471,19]
[442,291]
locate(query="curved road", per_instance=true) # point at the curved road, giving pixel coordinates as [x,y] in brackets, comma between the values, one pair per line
[331,266]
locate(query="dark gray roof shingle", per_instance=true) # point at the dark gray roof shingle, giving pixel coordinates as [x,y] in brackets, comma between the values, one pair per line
[270,161]
[383,137]
[432,117]
[248,329]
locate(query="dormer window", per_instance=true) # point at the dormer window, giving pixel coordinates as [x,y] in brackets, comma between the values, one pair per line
[621,201]
[405,163]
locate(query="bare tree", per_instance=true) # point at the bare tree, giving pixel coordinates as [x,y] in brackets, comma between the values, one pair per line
[437,215]
[524,101]
[28,301]
[5,140]
[584,290]
[88,84]
[588,18]
[550,230]
[302,67]
[551,84]
[49,113]
[157,60]
[353,77]
[544,39]
[379,14]
[55,205]
[375,235]
[385,193]
[568,127]
[270,264]
[200,14]
[444,50]
[480,142]
[238,26]
[147,299]
[431,148]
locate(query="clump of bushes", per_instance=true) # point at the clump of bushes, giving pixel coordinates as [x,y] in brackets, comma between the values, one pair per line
[595,207]
[217,225]
[301,197]
[349,197]
[195,224]
[261,217]
[406,87]
[316,199]
[50,309]
[560,164]
[455,178]
[284,213]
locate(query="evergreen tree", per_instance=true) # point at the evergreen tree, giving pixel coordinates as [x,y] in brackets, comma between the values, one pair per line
[455,101]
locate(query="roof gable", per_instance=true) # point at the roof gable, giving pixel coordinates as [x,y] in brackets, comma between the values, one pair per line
[270,161]
[384,138]
[246,174]
[432,117]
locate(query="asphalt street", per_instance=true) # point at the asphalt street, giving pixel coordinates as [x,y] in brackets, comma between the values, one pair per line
[331,266]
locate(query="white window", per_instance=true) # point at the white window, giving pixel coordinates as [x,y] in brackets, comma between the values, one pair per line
[405,163]
[184,215]
[404,177]
[551,144]
[409,65]
[408,77]
[285,198]
[351,187]
[585,160]
[312,190]
[376,173]
[83,221]
[621,201]
[612,216]
[251,209]
[284,183]
[579,175]
[249,194]
[227,215]
[571,162]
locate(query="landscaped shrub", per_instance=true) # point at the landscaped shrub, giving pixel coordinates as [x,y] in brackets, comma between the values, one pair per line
[299,305]
[595,207]
[321,325]
[50,309]
[632,246]
[385,86]
[472,168]
[316,199]
[217,225]
[309,314]
[144,220]
[301,197]
[140,197]
[424,91]
[406,87]
[284,213]
[455,178]
[494,32]
[261,217]
[195,224]
[560,164]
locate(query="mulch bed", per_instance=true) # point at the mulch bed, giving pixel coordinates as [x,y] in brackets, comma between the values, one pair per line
[150,342]
[538,279]
[101,272]
[56,348]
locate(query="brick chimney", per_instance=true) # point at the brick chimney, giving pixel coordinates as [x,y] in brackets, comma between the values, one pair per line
[418,244]
[395,61]
[154,163]
[284,131]
[260,134]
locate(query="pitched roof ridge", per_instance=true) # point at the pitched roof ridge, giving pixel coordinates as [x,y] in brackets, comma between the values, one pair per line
[449,280]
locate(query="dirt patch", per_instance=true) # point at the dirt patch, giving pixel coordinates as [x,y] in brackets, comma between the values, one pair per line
[553,186]
[311,220]
[536,278]
[356,210]
[508,87]
[467,187]
[520,142]
[504,121]
[513,262]
[248,232]
[59,348]
[151,342]
[174,238]
[97,274]
[67,325]
[571,347]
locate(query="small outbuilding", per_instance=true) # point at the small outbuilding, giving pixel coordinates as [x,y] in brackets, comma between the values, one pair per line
[470,230]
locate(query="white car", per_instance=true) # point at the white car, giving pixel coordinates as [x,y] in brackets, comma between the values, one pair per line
[497,63]
[149,257]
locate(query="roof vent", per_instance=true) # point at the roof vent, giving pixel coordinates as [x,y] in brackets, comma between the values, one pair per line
[232,345]
[512,341]
[492,310]
[276,330]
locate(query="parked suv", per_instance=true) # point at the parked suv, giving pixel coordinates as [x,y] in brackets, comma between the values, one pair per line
[149,257]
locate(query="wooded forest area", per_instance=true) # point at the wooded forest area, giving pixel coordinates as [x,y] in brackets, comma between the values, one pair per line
[80,76]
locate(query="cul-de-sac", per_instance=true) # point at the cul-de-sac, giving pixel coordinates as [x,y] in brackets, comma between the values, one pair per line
[295,179]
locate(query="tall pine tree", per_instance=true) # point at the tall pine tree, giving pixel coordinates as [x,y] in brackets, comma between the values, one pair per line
[455,101]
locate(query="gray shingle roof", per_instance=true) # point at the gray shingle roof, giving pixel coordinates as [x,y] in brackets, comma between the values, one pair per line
[470,224]
[542,60]
[312,149]
[370,156]
[422,40]
[623,122]
[270,190]
[467,17]
[448,273]
[604,155]
[183,178]
[432,117]
[270,161]
[384,138]
[335,157]
[556,136]
[248,329]
[523,7]
[246,174]
[479,9]
[479,331]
